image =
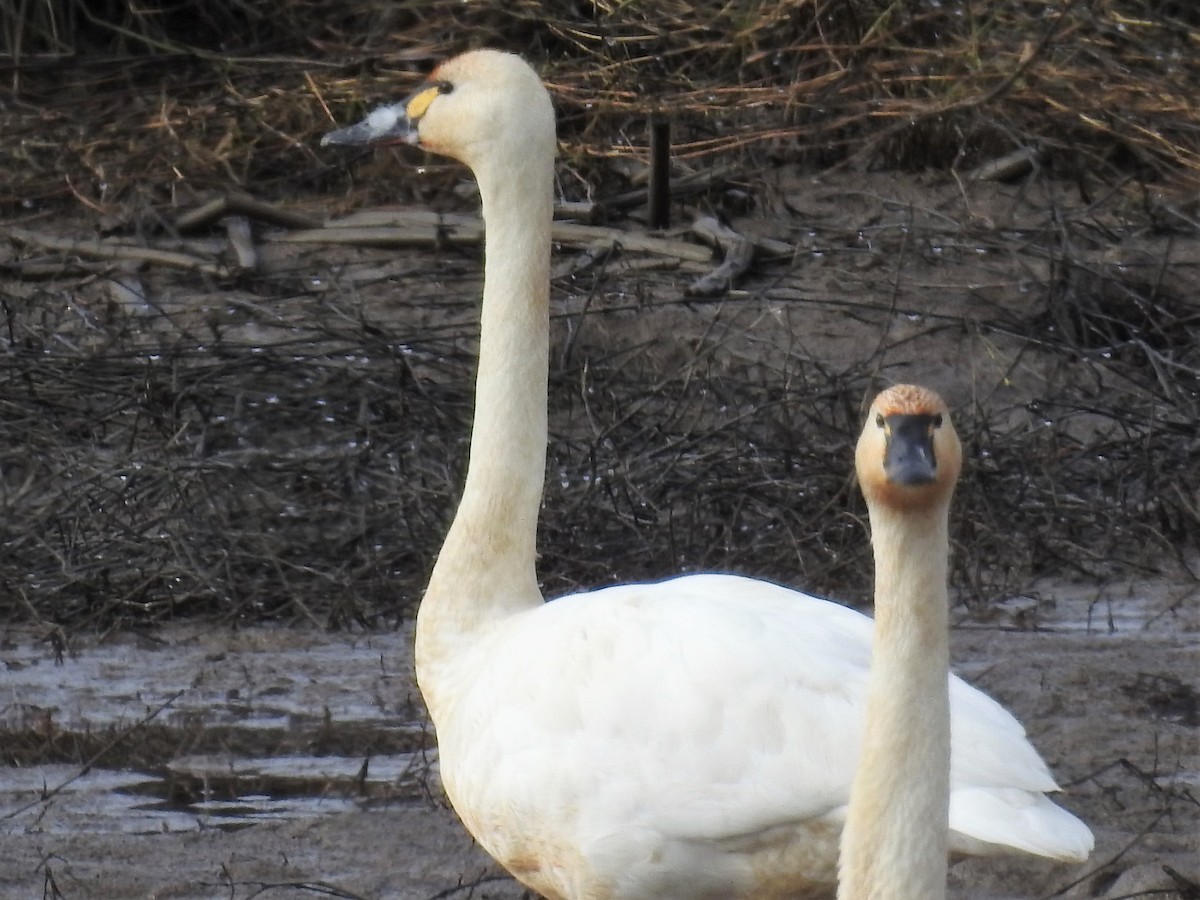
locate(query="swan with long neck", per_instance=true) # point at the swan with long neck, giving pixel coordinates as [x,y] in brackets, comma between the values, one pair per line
[895,841]
[693,738]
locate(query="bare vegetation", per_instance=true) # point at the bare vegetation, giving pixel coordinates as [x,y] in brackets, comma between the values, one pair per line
[219,406]
[158,101]
[187,435]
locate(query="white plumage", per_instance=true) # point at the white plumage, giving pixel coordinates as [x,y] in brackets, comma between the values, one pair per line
[710,708]
[692,738]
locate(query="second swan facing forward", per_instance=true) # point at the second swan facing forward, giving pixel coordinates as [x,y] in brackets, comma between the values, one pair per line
[895,840]
[691,738]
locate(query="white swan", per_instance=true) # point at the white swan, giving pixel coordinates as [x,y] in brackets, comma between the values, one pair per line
[694,738]
[895,840]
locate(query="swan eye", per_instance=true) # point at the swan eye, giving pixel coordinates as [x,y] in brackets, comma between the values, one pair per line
[879,423]
[937,421]
[444,87]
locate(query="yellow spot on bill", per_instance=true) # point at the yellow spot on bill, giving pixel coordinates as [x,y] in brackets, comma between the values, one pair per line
[420,102]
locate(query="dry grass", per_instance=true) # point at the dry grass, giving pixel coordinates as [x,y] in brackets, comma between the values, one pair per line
[291,446]
[144,107]
[274,447]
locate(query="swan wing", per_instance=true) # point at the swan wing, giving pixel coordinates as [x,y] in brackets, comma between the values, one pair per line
[989,747]
[702,707]
[706,708]
[996,820]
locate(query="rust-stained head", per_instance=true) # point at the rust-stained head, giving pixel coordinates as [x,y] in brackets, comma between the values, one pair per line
[908,455]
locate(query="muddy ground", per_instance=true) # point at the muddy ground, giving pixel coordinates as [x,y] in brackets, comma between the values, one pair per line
[230,762]
[1106,702]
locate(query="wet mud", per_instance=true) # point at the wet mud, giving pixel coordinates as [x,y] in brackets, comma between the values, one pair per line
[197,762]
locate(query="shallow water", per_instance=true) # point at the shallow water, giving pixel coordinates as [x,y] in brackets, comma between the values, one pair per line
[221,729]
[252,678]
[1129,609]
[271,757]
[195,730]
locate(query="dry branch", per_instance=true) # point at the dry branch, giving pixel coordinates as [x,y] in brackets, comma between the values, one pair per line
[240,204]
[238,230]
[112,250]
[1106,87]
[739,254]
[420,228]
[1008,167]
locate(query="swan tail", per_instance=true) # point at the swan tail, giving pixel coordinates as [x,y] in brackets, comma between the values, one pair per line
[988,821]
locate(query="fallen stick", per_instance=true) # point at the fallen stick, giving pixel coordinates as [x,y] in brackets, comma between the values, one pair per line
[240,239]
[1011,165]
[739,254]
[94,249]
[242,205]
[408,228]
[683,186]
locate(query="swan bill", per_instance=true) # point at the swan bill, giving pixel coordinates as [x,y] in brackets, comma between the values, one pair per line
[386,125]
[909,458]
[394,124]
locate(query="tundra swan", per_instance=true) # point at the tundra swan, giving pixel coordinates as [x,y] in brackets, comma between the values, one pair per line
[895,840]
[693,738]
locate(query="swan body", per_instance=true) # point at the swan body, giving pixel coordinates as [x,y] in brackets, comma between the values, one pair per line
[690,738]
[896,837]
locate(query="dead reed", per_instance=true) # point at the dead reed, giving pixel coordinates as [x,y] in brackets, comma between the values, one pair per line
[151,105]
[290,445]
[282,442]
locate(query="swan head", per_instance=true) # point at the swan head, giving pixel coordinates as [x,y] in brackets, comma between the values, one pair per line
[908,455]
[484,107]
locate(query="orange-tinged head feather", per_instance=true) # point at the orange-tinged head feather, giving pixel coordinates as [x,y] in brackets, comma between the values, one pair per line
[909,400]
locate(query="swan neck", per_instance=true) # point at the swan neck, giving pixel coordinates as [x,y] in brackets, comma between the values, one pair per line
[895,841]
[912,557]
[485,570]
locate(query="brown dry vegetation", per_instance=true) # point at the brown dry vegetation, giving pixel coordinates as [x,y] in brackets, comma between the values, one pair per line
[272,443]
[187,437]
[152,104]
